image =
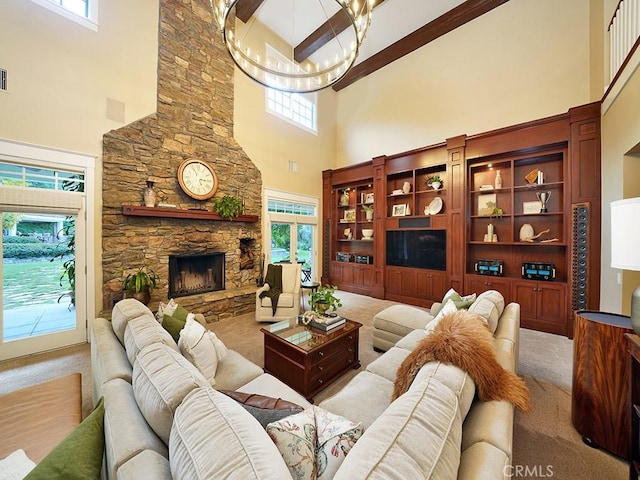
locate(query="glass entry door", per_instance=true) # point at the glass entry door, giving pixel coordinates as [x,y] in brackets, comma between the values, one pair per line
[292,242]
[42,271]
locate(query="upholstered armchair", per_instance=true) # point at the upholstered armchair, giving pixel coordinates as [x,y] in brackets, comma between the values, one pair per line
[289,300]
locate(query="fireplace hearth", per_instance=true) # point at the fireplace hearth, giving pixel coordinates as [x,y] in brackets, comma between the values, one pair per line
[196,273]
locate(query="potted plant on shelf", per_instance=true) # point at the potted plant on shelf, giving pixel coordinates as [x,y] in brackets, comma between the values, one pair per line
[324,299]
[228,206]
[434,182]
[368,212]
[140,283]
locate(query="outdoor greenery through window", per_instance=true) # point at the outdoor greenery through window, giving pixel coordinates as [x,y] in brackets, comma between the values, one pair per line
[298,108]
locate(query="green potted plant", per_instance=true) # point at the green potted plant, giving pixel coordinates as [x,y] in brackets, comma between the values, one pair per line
[140,283]
[324,299]
[368,211]
[69,263]
[434,182]
[228,206]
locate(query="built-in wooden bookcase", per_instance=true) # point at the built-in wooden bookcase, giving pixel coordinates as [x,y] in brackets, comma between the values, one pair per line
[564,148]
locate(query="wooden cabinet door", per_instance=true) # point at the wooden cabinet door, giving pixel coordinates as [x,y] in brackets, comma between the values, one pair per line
[525,293]
[401,281]
[478,284]
[431,285]
[362,276]
[550,306]
[336,272]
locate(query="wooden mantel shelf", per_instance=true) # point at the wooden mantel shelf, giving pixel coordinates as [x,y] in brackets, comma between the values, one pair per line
[168,212]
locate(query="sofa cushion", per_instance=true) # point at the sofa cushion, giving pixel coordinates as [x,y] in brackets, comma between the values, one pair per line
[348,401]
[314,442]
[125,310]
[263,408]
[197,345]
[161,379]
[79,455]
[234,370]
[108,358]
[489,305]
[123,415]
[401,319]
[173,326]
[143,331]
[410,341]
[285,300]
[212,436]
[146,464]
[458,300]
[483,460]
[387,365]
[268,385]
[417,437]
[490,422]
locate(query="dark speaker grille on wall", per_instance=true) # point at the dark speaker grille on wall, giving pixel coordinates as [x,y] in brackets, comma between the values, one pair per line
[579,256]
[326,254]
[424,222]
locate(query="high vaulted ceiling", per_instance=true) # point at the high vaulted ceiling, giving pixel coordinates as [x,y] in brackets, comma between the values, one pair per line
[398,27]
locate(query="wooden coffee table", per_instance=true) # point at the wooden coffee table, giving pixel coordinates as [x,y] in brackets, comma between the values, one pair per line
[307,359]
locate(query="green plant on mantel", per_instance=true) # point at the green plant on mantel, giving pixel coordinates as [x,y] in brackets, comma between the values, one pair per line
[228,206]
[324,299]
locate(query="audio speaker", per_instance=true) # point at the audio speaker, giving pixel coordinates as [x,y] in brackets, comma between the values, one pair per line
[326,250]
[580,256]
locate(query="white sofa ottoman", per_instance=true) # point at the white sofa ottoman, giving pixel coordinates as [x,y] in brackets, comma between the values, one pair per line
[396,321]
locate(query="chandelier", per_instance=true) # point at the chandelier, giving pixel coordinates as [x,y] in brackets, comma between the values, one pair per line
[335,30]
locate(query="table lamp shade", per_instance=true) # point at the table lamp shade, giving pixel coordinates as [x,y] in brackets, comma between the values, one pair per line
[625,246]
[625,234]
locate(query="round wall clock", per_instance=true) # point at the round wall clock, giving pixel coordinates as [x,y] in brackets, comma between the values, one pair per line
[197,179]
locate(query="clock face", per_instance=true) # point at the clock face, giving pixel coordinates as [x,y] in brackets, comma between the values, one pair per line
[197,179]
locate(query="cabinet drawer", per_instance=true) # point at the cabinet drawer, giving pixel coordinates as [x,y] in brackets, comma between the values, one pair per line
[329,349]
[325,372]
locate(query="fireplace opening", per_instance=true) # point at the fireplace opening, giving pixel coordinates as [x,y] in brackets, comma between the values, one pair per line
[194,274]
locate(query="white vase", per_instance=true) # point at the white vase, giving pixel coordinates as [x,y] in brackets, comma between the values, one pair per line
[406,187]
[368,215]
[436,185]
[149,195]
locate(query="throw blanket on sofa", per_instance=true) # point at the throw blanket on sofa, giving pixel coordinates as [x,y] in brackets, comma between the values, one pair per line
[463,339]
[274,279]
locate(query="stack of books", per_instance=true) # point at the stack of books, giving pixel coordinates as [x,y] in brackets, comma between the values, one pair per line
[328,323]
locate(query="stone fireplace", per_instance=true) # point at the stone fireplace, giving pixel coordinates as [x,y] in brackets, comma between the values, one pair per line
[194,274]
[194,120]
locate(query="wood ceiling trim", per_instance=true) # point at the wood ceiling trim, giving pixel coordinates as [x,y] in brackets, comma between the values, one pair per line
[463,13]
[246,8]
[324,34]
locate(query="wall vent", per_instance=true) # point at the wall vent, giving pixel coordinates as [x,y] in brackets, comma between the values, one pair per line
[3,79]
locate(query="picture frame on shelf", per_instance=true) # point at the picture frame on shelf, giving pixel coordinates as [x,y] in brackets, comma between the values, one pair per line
[349,215]
[531,208]
[399,210]
[368,198]
[487,203]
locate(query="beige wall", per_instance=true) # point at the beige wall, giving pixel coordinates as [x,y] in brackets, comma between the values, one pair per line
[61,74]
[523,60]
[272,142]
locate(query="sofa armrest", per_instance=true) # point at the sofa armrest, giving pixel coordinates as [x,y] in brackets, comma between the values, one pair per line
[434,308]
[264,288]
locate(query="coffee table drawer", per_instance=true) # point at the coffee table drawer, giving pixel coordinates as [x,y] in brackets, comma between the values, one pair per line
[331,348]
[326,371]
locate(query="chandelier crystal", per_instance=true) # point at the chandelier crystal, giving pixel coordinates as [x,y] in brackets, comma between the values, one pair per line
[246,44]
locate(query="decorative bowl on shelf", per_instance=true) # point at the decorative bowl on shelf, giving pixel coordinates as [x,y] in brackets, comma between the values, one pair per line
[367,233]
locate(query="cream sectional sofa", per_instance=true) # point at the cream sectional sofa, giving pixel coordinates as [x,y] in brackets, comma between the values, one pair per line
[158,406]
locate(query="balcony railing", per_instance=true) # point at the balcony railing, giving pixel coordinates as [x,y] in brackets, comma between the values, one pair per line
[624,30]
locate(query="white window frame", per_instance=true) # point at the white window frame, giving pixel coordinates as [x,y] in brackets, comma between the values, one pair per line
[311,97]
[90,21]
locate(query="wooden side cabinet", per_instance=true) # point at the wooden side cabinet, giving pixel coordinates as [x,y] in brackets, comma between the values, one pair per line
[600,393]
[634,404]
[542,305]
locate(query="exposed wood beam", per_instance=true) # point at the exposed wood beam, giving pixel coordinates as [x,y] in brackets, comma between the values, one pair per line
[463,13]
[246,8]
[324,34]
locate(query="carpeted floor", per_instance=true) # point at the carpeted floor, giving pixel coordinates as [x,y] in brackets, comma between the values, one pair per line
[545,443]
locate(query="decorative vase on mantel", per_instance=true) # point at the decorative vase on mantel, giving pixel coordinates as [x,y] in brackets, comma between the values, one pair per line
[149,195]
[406,187]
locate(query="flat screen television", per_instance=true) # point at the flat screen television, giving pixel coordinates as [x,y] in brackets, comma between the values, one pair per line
[417,248]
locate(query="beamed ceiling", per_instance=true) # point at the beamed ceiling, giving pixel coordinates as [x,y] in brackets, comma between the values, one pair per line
[398,27]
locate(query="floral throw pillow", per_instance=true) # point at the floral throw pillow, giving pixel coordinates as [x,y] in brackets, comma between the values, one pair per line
[314,442]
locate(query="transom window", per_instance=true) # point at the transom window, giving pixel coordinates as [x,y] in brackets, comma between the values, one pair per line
[34,177]
[282,206]
[84,12]
[297,108]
